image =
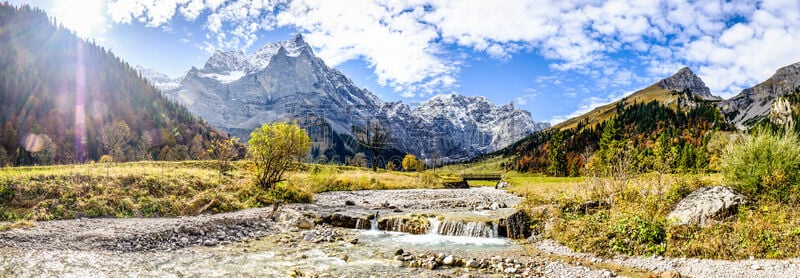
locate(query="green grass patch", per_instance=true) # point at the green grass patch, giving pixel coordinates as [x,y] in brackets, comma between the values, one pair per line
[493,165]
[479,183]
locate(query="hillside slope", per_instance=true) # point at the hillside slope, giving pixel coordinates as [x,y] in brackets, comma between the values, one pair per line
[59,96]
[670,121]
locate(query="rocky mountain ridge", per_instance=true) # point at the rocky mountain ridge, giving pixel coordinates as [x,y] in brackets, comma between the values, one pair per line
[686,79]
[285,81]
[754,104]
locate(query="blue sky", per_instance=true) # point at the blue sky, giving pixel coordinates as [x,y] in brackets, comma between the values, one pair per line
[556,59]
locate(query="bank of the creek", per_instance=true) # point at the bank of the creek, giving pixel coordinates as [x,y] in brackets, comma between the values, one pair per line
[393,233]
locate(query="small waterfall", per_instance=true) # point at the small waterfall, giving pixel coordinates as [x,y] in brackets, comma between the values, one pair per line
[361,224]
[373,224]
[433,229]
[426,225]
[470,229]
[367,223]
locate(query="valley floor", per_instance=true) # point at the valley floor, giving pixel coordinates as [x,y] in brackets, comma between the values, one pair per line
[249,243]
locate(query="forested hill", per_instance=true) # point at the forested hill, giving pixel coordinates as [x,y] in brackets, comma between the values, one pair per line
[649,134]
[66,100]
[665,126]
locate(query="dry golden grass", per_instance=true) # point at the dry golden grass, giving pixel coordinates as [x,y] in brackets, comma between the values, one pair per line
[16,225]
[321,178]
[543,187]
[146,189]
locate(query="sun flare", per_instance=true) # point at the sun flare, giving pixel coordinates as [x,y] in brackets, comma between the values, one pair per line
[86,17]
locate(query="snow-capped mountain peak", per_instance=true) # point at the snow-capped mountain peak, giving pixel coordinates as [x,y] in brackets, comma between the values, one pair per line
[227,61]
[261,58]
[286,81]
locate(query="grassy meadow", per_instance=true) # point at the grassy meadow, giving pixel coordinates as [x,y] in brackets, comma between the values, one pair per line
[607,217]
[150,189]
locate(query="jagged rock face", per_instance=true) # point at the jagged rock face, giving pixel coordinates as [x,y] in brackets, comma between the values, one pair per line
[286,81]
[485,127]
[686,79]
[753,104]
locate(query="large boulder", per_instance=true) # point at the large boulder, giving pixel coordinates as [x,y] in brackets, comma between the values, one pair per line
[706,204]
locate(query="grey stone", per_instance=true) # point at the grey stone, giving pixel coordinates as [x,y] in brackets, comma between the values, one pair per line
[210,242]
[705,204]
[449,260]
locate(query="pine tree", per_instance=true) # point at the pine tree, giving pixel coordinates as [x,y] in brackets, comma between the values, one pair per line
[557,155]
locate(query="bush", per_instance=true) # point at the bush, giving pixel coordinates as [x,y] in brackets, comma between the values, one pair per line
[290,194]
[637,236]
[6,194]
[764,165]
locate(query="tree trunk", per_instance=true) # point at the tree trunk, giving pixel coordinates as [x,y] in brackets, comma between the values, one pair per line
[375,154]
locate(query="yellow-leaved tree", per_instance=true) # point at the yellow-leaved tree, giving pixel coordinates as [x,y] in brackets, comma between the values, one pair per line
[273,148]
[410,162]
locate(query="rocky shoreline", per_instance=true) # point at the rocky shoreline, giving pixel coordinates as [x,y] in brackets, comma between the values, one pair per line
[318,226]
[142,234]
[149,234]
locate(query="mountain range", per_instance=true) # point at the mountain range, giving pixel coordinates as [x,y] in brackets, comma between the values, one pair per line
[286,81]
[670,121]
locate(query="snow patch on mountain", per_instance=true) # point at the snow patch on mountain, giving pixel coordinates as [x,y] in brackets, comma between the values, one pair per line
[225,78]
[260,59]
[286,81]
[159,80]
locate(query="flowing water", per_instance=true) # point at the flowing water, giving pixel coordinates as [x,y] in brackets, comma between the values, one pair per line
[464,233]
[267,257]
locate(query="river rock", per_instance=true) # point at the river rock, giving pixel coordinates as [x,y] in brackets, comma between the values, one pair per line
[210,242]
[472,263]
[449,260]
[502,185]
[705,204]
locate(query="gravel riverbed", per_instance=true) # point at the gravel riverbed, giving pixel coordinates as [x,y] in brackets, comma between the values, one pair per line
[249,243]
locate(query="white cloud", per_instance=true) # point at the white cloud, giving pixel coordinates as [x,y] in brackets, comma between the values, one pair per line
[738,33]
[408,43]
[530,93]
